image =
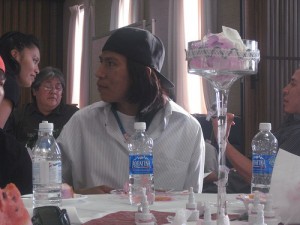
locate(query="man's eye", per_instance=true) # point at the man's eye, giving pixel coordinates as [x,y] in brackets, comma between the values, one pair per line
[110,63]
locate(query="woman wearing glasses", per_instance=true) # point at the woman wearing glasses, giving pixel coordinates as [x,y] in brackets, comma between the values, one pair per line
[47,91]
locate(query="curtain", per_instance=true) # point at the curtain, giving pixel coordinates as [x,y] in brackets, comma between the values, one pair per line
[188,88]
[114,15]
[88,33]
[125,12]
[85,70]
[177,67]
[208,25]
[74,18]
[137,10]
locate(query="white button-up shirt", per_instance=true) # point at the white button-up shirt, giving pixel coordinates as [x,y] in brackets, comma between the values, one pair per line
[94,151]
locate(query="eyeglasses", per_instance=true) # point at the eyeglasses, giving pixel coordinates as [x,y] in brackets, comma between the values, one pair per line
[50,88]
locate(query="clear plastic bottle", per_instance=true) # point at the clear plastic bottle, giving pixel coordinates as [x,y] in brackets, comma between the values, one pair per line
[46,168]
[140,165]
[264,150]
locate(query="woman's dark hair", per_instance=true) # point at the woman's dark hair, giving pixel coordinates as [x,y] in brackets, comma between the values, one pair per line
[15,40]
[46,74]
[146,91]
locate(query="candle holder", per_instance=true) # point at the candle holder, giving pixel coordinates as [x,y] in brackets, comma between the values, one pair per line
[222,67]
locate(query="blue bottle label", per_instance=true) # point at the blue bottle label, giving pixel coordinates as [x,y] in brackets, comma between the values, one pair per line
[141,164]
[262,164]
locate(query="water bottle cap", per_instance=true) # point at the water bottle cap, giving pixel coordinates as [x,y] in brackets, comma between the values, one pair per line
[140,126]
[265,126]
[45,126]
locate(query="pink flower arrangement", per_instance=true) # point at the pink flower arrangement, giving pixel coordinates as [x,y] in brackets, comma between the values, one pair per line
[219,51]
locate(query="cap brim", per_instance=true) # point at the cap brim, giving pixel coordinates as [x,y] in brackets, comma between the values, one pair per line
[164,81]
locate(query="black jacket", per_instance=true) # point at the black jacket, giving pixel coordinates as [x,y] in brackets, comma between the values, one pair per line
[15,164]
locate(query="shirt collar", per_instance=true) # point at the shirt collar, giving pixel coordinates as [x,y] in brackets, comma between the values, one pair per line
[166,112]
[34,109]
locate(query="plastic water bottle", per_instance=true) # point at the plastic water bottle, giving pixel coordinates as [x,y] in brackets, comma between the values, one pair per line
[264,150]
[46,168]
[140,165]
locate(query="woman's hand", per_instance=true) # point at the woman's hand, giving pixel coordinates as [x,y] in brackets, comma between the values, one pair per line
[230,122]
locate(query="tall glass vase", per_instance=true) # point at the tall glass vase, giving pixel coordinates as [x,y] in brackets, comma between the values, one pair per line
[222,67]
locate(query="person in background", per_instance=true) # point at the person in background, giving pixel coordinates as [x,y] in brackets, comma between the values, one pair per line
[211,163]
[47,92]
[94,141]
[287,135]
[15,162]
[21,55]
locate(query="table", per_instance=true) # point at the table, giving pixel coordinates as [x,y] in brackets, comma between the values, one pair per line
[89,207]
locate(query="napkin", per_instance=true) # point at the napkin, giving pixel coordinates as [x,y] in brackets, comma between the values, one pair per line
[285,187]
[181,217]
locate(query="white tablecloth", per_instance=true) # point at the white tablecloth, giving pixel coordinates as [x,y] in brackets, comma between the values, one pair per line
[86,208]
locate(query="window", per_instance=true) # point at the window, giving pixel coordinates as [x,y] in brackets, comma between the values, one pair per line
[124,13]
[192,32]
[75,98]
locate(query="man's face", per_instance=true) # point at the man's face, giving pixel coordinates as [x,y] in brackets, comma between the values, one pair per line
[291,95]
[113,78]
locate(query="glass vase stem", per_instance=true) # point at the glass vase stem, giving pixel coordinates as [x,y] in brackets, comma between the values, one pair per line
[222,100]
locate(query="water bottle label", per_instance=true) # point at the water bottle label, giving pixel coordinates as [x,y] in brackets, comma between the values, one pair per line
[141,164]
[46,172]
[263,164]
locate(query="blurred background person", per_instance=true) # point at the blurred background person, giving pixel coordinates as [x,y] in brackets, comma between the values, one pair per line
[287,135]
[21,55]
[15,162]
[47,93]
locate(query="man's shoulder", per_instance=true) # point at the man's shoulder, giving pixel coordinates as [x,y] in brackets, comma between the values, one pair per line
[179,112]
[70,108]
[92,109]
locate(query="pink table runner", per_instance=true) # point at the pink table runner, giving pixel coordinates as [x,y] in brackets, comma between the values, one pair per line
[127,218]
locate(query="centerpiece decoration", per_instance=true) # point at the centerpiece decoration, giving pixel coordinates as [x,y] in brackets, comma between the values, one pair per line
[222,59]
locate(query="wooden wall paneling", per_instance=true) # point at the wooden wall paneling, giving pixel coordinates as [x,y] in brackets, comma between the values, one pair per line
[275,26]
[253,20]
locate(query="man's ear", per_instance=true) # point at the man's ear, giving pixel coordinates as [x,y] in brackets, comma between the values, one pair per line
[148,70]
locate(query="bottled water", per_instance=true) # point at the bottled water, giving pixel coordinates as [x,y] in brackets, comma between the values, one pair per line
[264,150]
[140,165]
[46,168]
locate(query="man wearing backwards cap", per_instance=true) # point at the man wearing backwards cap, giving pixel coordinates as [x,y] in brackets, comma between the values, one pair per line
[132,88]
[15,162]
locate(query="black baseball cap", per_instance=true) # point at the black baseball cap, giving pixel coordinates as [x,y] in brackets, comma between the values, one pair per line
[140,46]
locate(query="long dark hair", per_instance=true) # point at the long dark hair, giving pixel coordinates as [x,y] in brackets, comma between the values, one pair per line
[15,40]
[146,91]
